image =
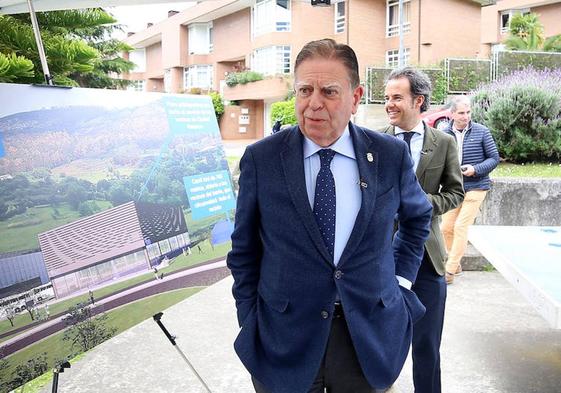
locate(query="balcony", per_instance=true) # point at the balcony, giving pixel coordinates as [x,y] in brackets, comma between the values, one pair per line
[276,87]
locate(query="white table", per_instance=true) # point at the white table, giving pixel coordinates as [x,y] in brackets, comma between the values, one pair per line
[530,259]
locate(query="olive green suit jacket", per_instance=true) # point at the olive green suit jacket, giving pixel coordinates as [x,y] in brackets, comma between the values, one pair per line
[440,177]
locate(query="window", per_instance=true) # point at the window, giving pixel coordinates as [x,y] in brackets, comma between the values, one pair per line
[210,38]
[153,250]
[269,16]
[138,57]
[271,60]
[164,246]
[505,21]
[137,85]
[173,243]
[392,57]
[506,17]
[392,17]
[200,38]
[340,17]
[181,241]
[198,76]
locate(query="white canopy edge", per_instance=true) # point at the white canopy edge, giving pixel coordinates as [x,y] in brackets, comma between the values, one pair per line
[20,6]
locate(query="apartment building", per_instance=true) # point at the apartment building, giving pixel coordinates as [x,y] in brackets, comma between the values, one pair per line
[495,20]
[194,50]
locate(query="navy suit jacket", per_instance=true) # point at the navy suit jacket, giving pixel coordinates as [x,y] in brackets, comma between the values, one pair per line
[285,282]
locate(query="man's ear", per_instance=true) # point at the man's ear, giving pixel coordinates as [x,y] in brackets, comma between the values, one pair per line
[419,100]
[357,96]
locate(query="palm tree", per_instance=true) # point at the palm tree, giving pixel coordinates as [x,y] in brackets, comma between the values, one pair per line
[527,33]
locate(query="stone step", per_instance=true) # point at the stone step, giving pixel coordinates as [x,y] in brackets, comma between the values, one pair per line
[473,260]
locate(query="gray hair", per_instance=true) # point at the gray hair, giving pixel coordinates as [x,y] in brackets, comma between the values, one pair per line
[459,100]
[419,83]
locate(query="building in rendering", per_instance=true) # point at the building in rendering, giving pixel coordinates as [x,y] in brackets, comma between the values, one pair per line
[19,272]
[117,242]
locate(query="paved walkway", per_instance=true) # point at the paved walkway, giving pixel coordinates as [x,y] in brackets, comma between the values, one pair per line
[494,342]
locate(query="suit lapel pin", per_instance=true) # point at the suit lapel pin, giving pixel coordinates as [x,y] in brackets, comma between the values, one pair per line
[369,157]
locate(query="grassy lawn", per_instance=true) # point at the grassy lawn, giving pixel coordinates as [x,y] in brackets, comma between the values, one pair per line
[506,169]
[20,232]
[122,319]
[204,223]
[180,262]
[196,257]
[92,169]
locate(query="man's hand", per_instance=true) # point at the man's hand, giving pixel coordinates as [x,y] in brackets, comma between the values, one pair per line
[468,170]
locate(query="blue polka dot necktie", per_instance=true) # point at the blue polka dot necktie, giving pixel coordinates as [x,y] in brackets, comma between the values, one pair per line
[324,200]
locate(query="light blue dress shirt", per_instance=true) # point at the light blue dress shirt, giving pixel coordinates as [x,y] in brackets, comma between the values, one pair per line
[416,142]
[348,197]
[347,188]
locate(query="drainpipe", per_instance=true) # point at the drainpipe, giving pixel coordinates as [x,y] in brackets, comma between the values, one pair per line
[419,37]
[348,19]
[401,56]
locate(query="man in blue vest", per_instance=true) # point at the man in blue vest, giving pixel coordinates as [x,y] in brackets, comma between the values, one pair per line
[478,157]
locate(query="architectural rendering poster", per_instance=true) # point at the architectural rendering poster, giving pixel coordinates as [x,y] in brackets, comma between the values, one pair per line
[101,191]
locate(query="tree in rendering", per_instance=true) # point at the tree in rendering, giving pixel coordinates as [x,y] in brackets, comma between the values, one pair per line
[9,313]
[84,331]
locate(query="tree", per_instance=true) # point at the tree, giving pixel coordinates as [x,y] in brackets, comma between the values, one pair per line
[13,67]
[30,308]
[83,330]
[4,365]
[527,33]
[9,313]
[76,194]
[77,45]
[64,55]
[30,370]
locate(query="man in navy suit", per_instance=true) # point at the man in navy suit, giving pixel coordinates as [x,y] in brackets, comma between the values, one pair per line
[322,285]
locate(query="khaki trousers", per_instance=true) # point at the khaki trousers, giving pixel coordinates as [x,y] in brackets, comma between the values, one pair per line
[455,225]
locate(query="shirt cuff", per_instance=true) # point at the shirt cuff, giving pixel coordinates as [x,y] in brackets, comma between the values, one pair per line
[405,283]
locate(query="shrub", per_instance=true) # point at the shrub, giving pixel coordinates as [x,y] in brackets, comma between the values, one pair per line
[284,110]
[217,103]
[523,111]
[243,77]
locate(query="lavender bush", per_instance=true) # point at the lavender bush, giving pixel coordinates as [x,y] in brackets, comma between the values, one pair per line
[523,111]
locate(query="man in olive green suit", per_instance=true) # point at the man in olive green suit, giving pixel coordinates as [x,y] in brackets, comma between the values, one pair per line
[435,159]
